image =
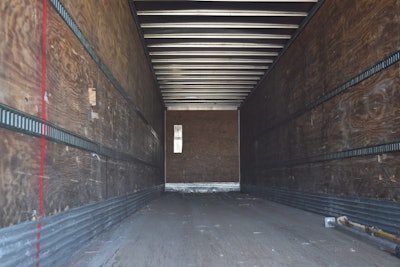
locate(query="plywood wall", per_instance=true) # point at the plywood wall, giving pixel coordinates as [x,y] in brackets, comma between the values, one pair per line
[210,147]
[74,177]
[342,40]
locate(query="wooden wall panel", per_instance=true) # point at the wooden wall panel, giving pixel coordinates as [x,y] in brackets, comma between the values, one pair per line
[112,31]
[358,34]
[116,175]
[71,72]
[210,147]
[74,177]
[20,61]
[366,115]
[19,177]
[342,40]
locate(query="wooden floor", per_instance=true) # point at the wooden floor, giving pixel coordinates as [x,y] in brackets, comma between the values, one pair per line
[226,230]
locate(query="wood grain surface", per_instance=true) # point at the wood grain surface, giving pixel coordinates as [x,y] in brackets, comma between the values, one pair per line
[19,178]
[111,29]
[342,40]
[20,65]
[210,147]
[74,177]
[70,73]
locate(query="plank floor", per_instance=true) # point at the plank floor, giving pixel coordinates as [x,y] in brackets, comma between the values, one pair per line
[226,230]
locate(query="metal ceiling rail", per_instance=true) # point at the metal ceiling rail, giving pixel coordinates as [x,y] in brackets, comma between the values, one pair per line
[215,53]
[212,54]
[204,100]
[210,66]
[220,25]
[215,72]
[171,96]
[203,106]
[210,60]
[208,84]
[258,1]
[214,36]
[253,78]
[219,12]
[215,45]
[195,94]
[208,91]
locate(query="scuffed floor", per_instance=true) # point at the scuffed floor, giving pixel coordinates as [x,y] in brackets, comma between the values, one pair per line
[226,230]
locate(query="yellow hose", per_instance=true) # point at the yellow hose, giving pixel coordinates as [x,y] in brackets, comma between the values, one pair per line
[343,220]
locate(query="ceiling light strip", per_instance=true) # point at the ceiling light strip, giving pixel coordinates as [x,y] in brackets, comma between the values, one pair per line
[221,12]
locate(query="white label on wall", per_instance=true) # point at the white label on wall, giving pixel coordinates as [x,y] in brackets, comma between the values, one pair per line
[178,138]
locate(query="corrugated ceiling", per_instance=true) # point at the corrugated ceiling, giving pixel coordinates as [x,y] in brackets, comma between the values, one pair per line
[212,54]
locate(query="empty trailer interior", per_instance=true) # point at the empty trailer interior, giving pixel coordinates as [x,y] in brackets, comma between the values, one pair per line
[83,119]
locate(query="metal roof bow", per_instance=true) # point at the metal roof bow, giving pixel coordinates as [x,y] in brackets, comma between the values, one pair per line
[211,55]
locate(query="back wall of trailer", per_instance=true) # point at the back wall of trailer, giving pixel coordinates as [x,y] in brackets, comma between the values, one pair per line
[210,147]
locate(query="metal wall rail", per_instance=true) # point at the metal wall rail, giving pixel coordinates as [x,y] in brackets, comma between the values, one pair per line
[19,121]
[378,67]
[351,153]
[379,213]
[59,7]
[62,234]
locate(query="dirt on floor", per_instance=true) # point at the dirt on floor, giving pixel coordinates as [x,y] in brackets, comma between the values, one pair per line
[229,229]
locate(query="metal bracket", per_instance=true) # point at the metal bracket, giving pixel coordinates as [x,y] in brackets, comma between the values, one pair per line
[330,222]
